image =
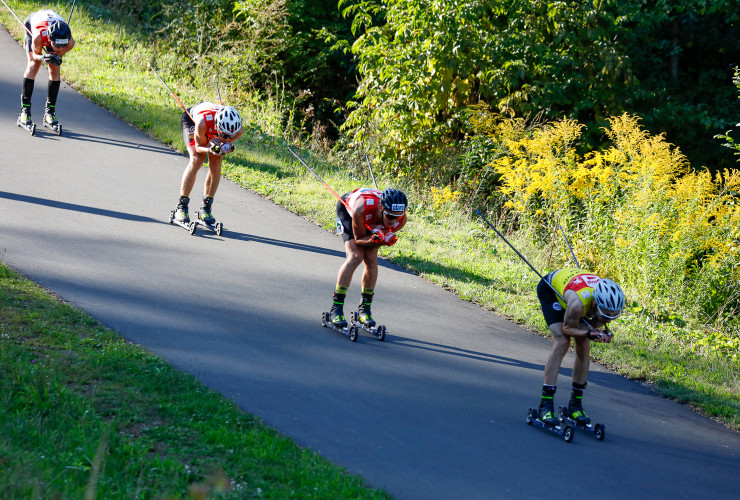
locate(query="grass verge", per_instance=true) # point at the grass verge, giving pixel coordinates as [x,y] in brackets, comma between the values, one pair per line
[83,413]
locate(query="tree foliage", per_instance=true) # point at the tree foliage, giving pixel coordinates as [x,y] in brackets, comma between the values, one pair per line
[422,62]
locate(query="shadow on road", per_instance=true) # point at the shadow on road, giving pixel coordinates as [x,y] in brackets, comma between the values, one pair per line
[77,208]
[117,142]
[458,351]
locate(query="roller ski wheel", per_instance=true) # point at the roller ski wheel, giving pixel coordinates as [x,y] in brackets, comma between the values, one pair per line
[55,127]
[189,226]
[562,429]
[596,430]
[376,331]
[29,126]
[350,331]
[216,227]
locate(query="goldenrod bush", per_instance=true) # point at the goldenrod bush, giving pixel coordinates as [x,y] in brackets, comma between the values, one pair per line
[635,212]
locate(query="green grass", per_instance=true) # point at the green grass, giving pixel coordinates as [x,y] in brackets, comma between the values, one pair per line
[83,411]
[445,246]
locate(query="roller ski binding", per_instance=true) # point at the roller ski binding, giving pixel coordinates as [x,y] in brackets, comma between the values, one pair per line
[552,424]
[24,120]
[204,217]
[566,417]
[363,319]
[180,216]
[334,319]
[50,120]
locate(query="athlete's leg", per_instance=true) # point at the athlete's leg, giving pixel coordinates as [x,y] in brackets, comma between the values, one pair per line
[355,256]
[191,171]
[560,346]
[370,274]
[581,365]
[214,175]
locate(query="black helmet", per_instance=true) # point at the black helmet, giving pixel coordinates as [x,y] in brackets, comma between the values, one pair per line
[393,200]
[59,33]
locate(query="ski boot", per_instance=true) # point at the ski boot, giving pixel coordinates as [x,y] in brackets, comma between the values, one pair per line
[574,415]
[50,119]
[363,312]
[363,319]
[205,218]
[24,120]
[335,319]
[180,215]
[545,418]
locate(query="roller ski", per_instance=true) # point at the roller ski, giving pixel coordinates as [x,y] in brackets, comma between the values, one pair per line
[205,218]
[180,216]
[545,418]
[24,120]
[50,120]
[363,319]
[335,320]
[578,419]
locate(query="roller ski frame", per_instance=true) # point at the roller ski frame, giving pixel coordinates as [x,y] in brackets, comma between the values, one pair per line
[596,430]
[216,227]
[357,325]
[190,226]
[562,429]
[29,126]
[56,128]
[347,331]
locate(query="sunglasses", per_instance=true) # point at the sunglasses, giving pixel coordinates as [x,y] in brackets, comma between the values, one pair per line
[391,216]
[224,135]
[608,317]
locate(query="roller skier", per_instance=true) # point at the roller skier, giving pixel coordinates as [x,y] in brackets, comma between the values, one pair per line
[209,131]
[48,39]
[580,310]
[374,219]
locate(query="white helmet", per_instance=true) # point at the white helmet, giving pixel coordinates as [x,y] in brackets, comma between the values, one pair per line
[608,295]
[228,120]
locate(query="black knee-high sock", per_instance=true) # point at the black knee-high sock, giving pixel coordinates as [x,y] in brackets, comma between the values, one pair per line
[51,99]
[27,92]
[576,395]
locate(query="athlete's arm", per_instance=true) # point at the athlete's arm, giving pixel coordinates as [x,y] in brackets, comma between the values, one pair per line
[363,237]
[573,326]
[201,139]
[35,54]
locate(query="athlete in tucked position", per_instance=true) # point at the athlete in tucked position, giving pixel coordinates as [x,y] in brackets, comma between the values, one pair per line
[49,39]
[587,297]
[209,131]
[376,217]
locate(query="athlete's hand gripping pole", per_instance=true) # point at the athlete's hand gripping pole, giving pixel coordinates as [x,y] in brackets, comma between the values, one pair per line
[527,262]
[165,86]
[17,18]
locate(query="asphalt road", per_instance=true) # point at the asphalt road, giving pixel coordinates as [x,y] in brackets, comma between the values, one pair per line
[436,411]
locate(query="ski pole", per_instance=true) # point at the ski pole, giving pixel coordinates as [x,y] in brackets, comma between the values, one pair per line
[527,262]
[74,2]
[17,18]
[371,171]
[331,190]
[218,91]
[173,94]
[569,247]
